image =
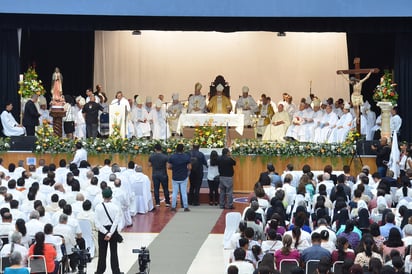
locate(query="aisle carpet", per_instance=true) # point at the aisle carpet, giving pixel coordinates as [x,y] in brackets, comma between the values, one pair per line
[174,249]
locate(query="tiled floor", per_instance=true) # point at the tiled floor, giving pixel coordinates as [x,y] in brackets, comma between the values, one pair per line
[211,257]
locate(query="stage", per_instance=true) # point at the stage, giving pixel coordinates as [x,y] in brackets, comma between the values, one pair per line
[247,168]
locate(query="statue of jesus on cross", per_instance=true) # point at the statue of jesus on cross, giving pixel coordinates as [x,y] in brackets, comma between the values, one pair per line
[356,83]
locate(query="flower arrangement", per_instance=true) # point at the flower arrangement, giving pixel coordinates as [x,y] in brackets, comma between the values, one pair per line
[48,142]
[353,136]
[30,84]
[209,136]
[385,91]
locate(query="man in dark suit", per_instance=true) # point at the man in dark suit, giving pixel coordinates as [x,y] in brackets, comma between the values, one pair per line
[31,115]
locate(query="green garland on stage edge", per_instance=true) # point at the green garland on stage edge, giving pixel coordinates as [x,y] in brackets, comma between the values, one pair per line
[47,142]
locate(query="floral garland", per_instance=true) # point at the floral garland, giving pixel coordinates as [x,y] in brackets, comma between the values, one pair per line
[385,91]
[30,85]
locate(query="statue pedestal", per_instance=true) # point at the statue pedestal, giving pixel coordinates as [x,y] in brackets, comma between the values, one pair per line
[57,113]
[386,108]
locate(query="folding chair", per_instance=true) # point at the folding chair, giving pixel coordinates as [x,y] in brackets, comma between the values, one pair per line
[337,267]
[64,262]
[37,264]
[287,265]
[311,266]
[5,262]
[5,239]
[87,234]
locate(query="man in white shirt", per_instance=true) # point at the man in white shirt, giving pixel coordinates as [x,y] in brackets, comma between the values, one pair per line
[34,225]
[108,216]
[242,265]
[80,155]
[323,225]
[61,172]
[64,229]
[396,120]
[105,171]
[6,225]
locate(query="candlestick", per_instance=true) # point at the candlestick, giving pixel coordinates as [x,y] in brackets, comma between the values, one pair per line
[21,78]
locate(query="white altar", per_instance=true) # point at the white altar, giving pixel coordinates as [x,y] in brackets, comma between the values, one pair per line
[210,119]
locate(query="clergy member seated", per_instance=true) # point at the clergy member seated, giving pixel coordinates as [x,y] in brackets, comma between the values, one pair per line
[280,122]
[9,123]
[219,103]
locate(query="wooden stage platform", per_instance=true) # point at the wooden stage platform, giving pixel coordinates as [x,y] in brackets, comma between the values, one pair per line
[247,168]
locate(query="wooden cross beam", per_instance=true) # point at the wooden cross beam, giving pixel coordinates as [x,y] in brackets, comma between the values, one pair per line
[357,71]
[357,85]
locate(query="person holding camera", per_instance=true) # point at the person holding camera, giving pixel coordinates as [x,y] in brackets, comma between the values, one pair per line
[107,218]
[383,152]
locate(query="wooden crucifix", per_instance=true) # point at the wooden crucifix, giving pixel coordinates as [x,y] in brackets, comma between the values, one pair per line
[356,83]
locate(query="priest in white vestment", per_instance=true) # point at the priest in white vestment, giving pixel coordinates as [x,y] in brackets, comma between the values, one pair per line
[140,118]
[280,122]
[297,122]
[303,135]
[79,122]
[325,125]
[10,125]
[246,105]
[174,111]
[316,118]
[121,198]
[157,117]
[197,102]
[341,130]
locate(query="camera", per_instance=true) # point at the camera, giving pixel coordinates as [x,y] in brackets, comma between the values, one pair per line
[144,259]
[84,258]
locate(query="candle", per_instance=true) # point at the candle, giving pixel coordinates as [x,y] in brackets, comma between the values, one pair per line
[21,77]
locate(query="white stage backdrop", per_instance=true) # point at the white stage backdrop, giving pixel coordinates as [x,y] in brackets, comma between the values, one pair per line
[165,62]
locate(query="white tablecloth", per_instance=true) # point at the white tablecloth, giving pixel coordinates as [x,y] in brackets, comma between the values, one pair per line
[221,120]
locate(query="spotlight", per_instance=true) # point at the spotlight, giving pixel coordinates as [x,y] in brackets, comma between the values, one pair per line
[281,34]
[136,32]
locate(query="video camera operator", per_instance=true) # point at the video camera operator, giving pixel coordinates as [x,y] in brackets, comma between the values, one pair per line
[144,260]
[107,218]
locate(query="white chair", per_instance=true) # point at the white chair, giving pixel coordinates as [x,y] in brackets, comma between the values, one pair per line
[143,196]
[87,234]
[311,266]
[37,264]
[337,267]
[232,224]
[287,265]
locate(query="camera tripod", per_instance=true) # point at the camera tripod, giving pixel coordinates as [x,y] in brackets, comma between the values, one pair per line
[355,155]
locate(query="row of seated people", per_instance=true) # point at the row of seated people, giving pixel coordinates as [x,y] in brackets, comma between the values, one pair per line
[355,214]
[321,123]
[64,202]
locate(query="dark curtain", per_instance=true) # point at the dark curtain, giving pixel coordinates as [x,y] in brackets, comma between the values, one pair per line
[9,70]
[403,76]
[71,51]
